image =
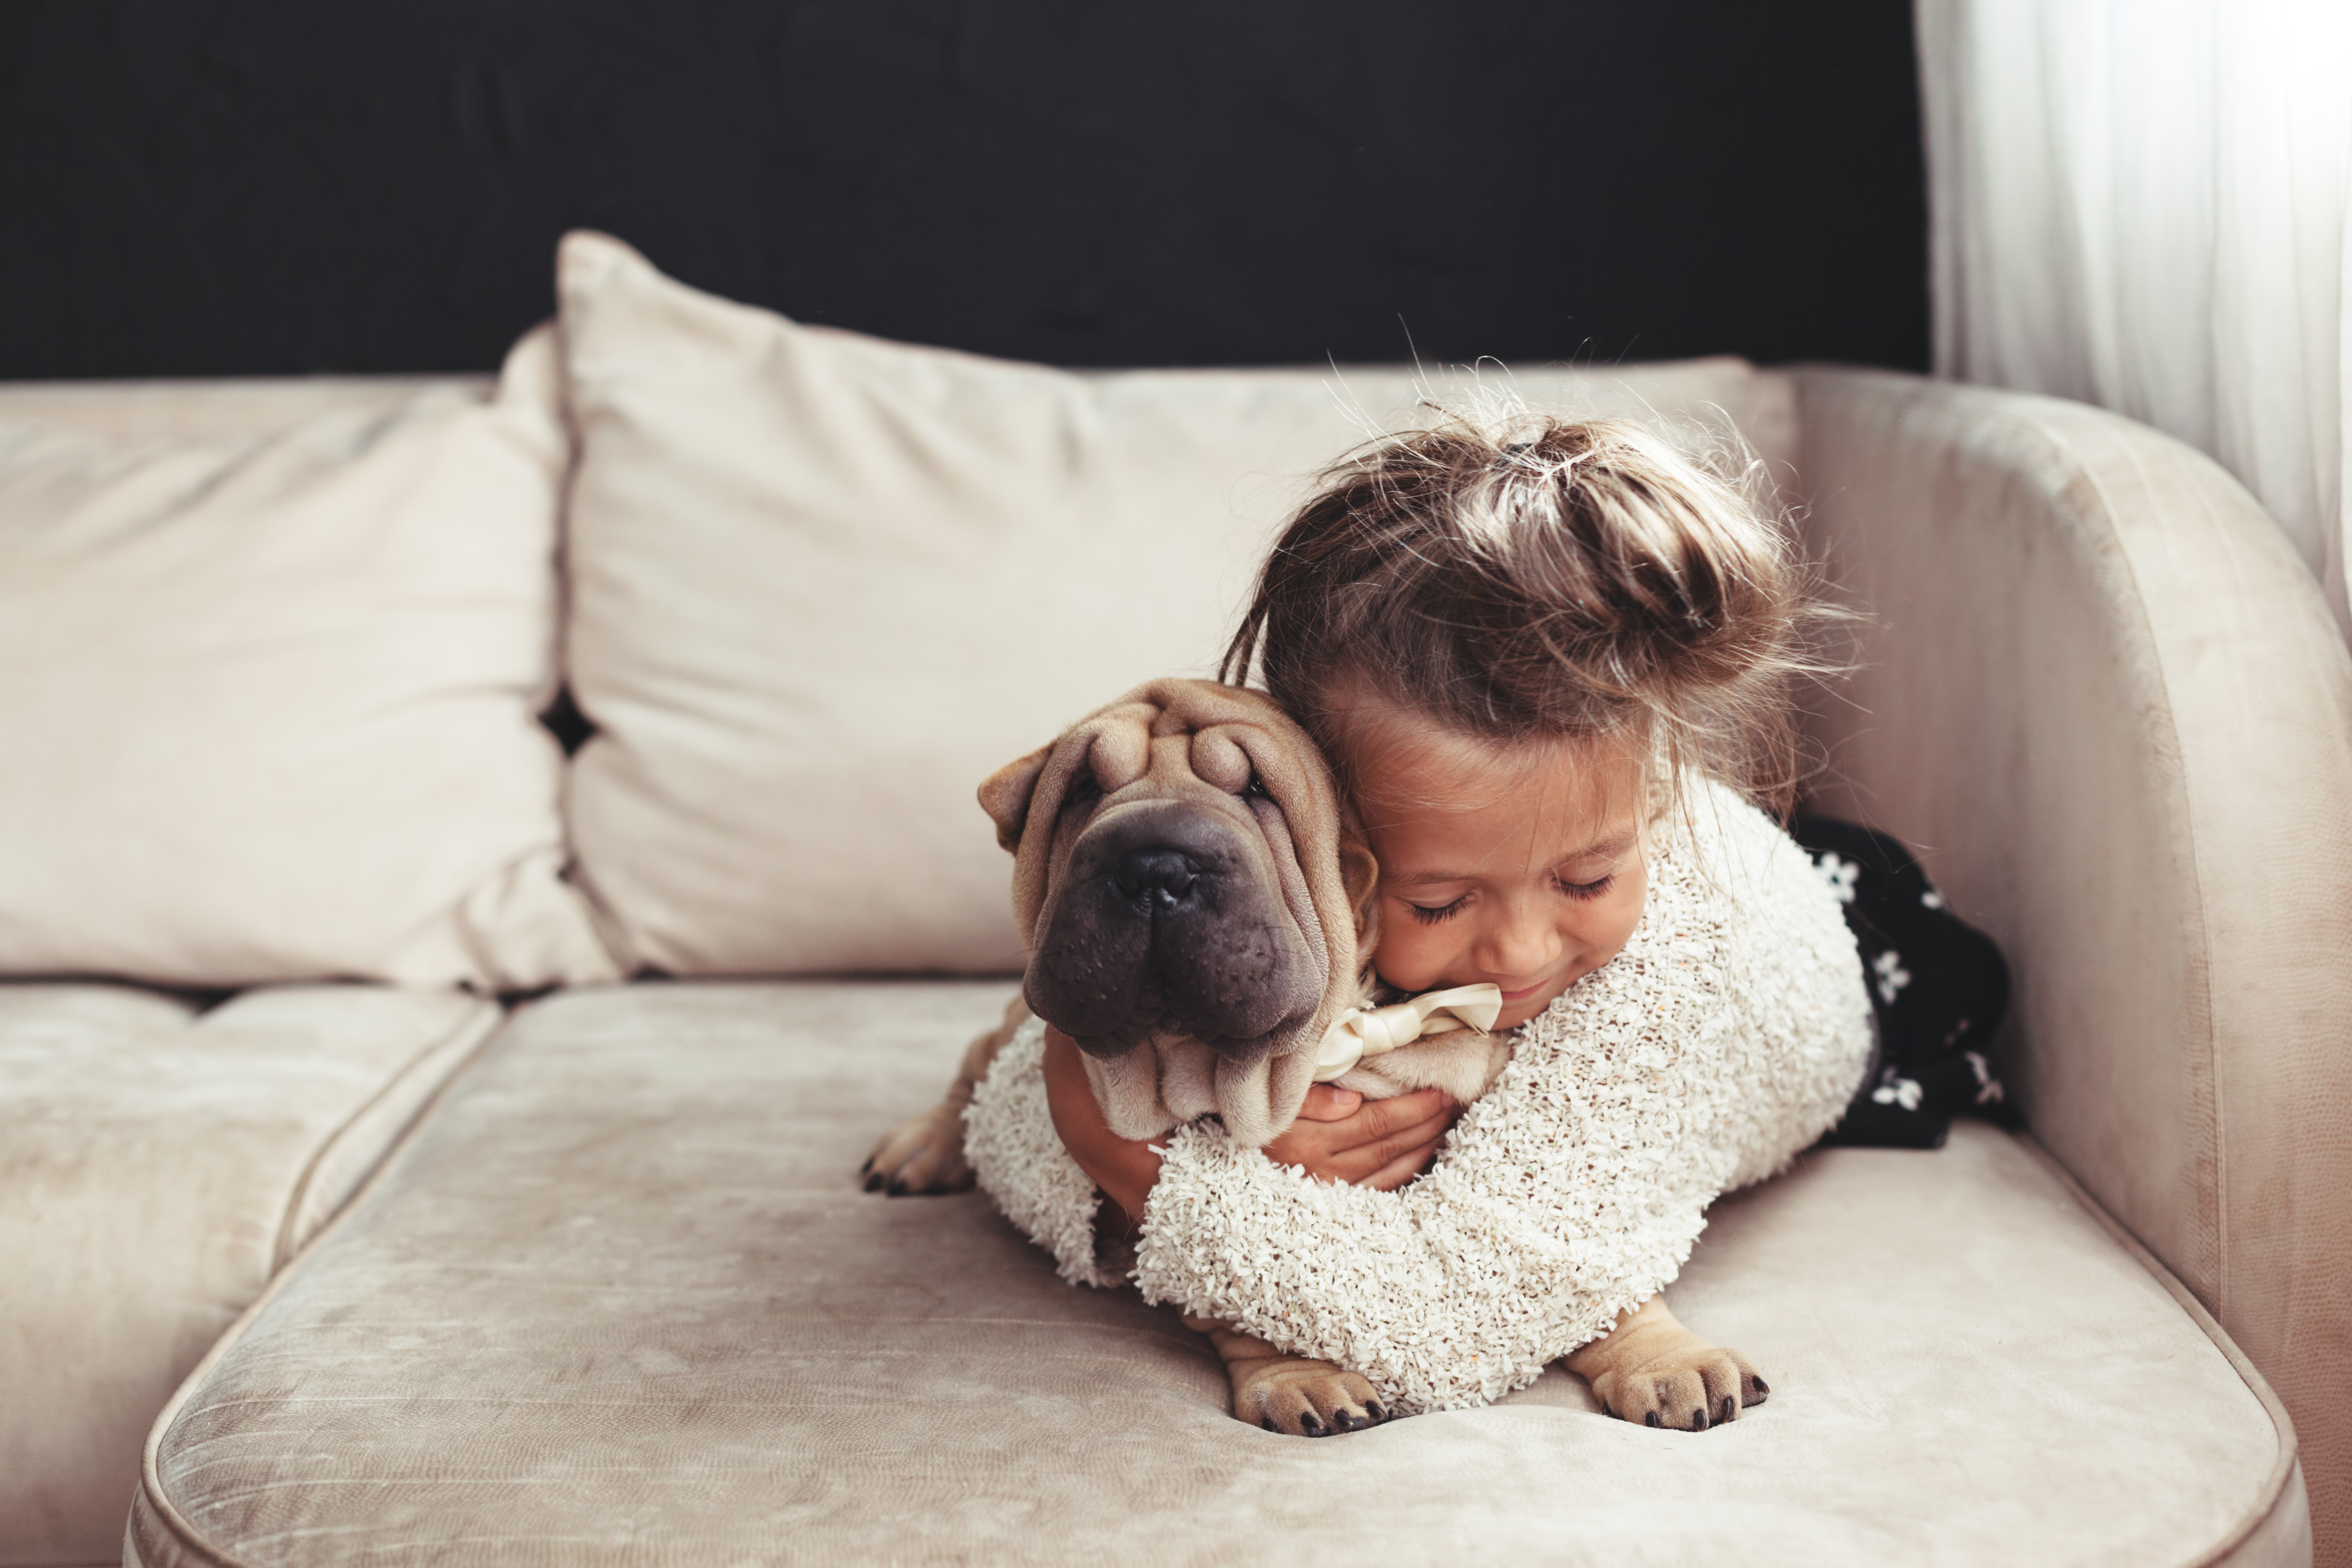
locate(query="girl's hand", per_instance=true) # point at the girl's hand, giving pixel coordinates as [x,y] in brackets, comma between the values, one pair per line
[1338,1137]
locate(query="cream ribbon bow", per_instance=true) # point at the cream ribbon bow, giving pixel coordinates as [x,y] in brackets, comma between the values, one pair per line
[1361,1032]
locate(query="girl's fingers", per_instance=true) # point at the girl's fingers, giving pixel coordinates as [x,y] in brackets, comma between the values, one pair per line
[1401,1169]
[1361,1143]
[1387,1147]
[1377,1119]
[1324,1103]
[1360,1163]
[1385,1115]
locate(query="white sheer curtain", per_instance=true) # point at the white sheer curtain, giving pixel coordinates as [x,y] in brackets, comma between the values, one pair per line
[2143,203]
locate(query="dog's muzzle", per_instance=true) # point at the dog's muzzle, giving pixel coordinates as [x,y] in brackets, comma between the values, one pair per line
[1166,921]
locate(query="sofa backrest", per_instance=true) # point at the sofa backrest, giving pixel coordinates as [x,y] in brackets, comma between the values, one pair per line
[270,654]
[229,406]
[269,650]
[823,584]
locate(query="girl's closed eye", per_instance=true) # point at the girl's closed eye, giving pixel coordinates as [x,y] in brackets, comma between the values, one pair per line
[1430,914]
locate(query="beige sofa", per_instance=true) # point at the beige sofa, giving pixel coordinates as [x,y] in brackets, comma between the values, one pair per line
[382,1270]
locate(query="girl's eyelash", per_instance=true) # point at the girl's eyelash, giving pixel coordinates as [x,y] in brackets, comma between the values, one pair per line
[1430,915]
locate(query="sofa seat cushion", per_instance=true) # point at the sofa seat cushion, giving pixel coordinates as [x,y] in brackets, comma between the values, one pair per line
[624,1300]
[157,1166]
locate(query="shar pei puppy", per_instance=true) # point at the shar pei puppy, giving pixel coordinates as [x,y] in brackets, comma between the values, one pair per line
[1200,915]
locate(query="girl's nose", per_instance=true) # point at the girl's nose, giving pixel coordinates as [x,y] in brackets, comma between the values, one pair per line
[1518,946]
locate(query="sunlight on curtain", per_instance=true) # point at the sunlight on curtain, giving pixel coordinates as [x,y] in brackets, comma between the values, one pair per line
[2144,203]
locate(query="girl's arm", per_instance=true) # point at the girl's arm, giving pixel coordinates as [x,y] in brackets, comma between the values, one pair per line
[1124,1168]
[1340,1136]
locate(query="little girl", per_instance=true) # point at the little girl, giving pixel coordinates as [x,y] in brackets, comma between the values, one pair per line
[1550,663]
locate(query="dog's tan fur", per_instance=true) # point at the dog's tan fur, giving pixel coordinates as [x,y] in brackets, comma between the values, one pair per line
[1202,743]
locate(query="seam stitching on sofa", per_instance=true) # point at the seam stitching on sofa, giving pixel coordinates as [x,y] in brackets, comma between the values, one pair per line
[2195,859]
[150,1480]
[283,1250]
[2282,1466]
[2220,1111]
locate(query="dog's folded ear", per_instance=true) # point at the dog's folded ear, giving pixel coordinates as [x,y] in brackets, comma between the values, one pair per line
[1005,794]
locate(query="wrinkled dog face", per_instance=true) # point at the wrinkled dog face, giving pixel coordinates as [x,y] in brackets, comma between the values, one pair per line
[1179,873]
[1164,912]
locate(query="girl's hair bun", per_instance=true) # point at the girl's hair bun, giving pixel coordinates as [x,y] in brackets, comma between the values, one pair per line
[1529,577]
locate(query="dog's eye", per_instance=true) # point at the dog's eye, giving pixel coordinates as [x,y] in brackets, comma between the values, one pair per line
[1257,790]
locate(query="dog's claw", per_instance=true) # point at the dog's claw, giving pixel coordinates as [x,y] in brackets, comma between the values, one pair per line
[1763,1389]
[1730,1407]
[1311,1423]
[1651,1418]
[1699,1419]
[899,1189]
[873,1183]
[1377,1413]
[1267,1422]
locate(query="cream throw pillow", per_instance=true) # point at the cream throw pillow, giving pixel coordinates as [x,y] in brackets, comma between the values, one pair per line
[823,584]
[266,700]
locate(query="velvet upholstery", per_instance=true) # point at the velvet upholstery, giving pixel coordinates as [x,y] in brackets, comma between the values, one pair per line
[623,1299]
[157,1166]
[2108,705]
[269,689]
[620,1298]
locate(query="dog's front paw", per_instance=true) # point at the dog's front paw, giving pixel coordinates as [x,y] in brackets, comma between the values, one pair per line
[1685,1384]
[924,1154]
[1303,1398]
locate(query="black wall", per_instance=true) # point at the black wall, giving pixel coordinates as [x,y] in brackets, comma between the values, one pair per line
[209,188]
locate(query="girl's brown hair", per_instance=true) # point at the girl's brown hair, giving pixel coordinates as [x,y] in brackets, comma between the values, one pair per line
[1535,578]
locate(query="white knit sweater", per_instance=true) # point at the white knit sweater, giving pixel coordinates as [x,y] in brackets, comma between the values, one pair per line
[1727,1034]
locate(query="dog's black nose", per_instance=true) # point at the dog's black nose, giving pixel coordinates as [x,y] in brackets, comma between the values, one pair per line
[1164,876]
[1164,921]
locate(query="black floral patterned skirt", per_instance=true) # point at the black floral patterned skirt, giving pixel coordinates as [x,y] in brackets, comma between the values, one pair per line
[1937,990]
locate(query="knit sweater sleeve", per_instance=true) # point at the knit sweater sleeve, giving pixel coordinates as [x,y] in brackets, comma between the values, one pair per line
[1726,1035]
[1020,1162]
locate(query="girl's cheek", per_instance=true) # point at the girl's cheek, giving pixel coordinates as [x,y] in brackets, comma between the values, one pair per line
[1404,952]
[1627,914]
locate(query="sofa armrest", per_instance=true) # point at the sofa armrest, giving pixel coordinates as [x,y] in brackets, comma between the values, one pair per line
[2106,702]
